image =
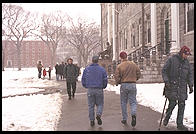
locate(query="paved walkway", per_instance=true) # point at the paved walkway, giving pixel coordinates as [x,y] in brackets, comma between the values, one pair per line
[74,115]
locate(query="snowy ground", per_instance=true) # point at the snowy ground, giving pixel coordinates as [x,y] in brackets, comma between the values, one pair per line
[150,95]
[28,113]
[42,112]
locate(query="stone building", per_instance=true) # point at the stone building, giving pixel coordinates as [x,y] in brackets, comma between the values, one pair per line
[148,32]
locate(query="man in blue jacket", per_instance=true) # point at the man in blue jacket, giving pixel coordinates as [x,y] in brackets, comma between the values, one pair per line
[94,78]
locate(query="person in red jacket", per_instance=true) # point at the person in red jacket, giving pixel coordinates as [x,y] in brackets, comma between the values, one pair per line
[44,73]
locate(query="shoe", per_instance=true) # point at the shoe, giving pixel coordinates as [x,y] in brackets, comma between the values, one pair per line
[92,123]
[69,97]
[165,122]
[182,128]
[124,121]
[133,123]
[73,95]
[99,121]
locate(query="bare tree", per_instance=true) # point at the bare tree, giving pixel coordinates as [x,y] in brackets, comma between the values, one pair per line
[85,37]
[52,31]
[18,24]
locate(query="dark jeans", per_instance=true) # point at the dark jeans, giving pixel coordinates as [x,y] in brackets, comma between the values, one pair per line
[69,86]
[39,74]
[181,107]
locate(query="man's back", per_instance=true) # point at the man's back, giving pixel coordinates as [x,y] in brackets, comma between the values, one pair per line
[127,71]
[94,76]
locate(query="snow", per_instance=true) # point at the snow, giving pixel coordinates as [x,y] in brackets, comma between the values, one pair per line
[28,113]
[150,95]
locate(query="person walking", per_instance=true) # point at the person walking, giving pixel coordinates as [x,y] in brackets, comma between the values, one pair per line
[94,78]
[49,72]
[39,67]
[71,75]
[176,74]
[57,71]
[126,74]
[61,67]
[44,73]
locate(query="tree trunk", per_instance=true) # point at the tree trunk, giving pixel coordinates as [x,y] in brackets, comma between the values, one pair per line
[19,60]
[79,59]
[3,60]
[52,60]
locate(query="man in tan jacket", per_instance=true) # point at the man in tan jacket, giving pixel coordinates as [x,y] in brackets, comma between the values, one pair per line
[126,74]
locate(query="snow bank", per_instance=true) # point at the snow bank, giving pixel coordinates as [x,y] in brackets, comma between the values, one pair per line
[31,113]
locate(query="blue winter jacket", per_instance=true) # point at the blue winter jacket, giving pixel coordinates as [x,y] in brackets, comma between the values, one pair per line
[94,76]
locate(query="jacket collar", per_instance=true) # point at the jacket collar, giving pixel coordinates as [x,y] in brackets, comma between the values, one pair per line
[94,64]
[124,60]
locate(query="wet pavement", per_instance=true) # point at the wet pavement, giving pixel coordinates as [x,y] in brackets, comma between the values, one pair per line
[74,115]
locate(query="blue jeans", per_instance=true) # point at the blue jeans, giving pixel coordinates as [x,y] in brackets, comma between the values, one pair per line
[57,76]
[128,91]
[95,97]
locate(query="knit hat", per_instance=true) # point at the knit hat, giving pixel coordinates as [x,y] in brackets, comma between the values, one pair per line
[123,55]
[95,59]
[185,50]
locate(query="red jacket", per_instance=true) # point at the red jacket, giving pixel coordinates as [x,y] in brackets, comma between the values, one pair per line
[44,72]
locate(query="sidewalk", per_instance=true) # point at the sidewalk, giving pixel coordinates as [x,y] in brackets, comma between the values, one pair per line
[75,115]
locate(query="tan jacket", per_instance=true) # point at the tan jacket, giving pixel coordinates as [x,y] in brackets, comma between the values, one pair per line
[127,71]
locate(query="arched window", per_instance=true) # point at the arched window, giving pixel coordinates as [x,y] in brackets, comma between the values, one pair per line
[189,17]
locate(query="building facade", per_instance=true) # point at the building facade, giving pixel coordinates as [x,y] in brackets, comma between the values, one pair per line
[159,29]
[31,52]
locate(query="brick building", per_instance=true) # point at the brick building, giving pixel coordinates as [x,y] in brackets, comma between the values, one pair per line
[31,52]
[158,29]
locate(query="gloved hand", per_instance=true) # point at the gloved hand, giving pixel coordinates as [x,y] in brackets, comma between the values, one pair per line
[190,89]
[167,85]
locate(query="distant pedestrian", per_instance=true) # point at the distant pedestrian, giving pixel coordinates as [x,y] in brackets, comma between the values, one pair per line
[39,67]
[71,75]
[61,67]
[44,73]
[126,74]
[94,78]
[49,72]
[177,75]
[57,71]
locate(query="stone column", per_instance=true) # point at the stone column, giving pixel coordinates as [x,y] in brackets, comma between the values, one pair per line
[108,22]
[114,32]
[153,24]
[175,46]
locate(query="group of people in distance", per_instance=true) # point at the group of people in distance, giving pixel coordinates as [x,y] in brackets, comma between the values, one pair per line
[39,67]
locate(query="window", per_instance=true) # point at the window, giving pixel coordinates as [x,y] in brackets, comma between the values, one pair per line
[189,17]
[140,34]
[148,32]
[133,40]
[126,35]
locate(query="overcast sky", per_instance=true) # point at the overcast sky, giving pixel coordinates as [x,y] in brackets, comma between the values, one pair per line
[91,11]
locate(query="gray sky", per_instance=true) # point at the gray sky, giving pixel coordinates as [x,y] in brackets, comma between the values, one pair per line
[91,11]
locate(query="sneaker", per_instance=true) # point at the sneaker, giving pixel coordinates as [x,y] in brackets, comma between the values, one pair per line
[124,121]
[92,123]
[99,121]
[69,97]
[133,123]
[165,122]
[182,128]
